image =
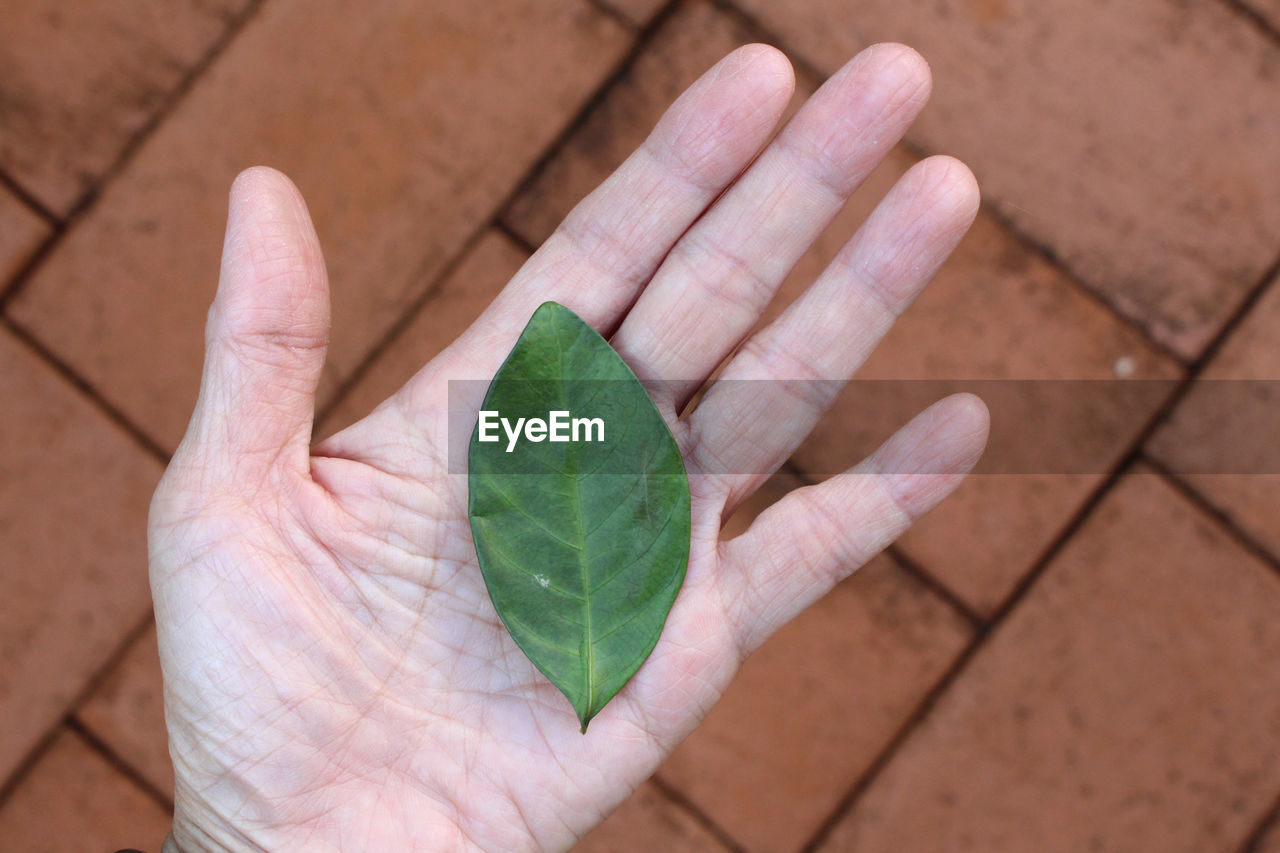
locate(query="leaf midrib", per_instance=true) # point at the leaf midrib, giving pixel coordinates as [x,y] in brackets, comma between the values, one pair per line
[588,641]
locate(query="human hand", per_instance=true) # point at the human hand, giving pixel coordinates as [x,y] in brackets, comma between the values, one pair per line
[335,674]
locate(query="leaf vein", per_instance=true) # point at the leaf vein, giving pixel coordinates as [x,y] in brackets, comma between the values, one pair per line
[513,503]
[639,611]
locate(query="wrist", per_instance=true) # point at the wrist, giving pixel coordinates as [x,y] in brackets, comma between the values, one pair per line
[205,836]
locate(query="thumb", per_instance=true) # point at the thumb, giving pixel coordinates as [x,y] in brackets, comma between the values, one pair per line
[266,335]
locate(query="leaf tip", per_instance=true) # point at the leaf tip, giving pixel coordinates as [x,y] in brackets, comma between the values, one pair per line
[585,715]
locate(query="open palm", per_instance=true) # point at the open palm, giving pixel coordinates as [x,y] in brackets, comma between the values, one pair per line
[335,674]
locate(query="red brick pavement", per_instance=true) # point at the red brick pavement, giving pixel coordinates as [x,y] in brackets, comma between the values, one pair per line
[1058,661]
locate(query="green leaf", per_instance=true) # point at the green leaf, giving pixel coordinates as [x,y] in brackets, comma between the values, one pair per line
[583,544]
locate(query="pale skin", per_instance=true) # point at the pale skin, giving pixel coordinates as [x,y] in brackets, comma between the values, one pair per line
[335,675]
